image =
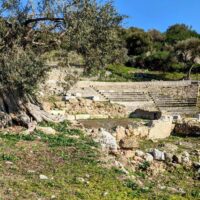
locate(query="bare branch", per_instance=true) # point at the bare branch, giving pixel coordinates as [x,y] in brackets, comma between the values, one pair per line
[43,19]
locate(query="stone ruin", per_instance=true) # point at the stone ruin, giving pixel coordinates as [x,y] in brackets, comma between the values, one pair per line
[175,98]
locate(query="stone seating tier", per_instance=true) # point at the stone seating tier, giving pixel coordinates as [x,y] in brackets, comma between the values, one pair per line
[179,97]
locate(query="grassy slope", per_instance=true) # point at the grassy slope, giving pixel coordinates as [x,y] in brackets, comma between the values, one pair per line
[64,159]
[123,73]
[70,160]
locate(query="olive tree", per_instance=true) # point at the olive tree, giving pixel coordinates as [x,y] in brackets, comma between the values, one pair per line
[188,52]
[28,29]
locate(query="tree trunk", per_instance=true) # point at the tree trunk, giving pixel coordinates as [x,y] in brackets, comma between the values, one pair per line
[189,73]
[21,110]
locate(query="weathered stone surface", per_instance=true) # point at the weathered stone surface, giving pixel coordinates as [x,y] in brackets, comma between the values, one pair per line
[148,157]
[99,116]
[120,133]
[70,117]
[186,158]
[139,153]
[82,116]
[189,127]
[129,143]
[168,157]
[157,154]
[160,129]
[93,108]
[141,131]
[107,141]
[46,130]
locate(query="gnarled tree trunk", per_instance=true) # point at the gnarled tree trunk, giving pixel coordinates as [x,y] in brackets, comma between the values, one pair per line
[21,110]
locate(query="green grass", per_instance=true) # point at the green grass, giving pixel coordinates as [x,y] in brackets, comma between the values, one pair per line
[122,73]
[64,159]
[72,163]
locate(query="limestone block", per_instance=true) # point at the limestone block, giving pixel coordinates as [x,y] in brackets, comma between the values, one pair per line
[99,116]
[82,116]
[129,143]
[160,129]
[70,117]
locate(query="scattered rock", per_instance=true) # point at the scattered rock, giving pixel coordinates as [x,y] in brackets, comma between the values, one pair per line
[31,171]
[46,130]
[80,180]
[129,143]
[105,194]
[176,191]
[43,177]
[139,153]
[157,154]
[53,196]
[9,163]
[168,157]
[107,141]
[148,157]
[186,158]
[121,167]
[196,165]
[177,159]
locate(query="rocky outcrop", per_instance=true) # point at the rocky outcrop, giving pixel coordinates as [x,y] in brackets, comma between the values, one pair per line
[188,127]
[91,107]
[156,129]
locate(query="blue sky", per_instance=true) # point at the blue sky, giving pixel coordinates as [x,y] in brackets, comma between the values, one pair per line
[160,14]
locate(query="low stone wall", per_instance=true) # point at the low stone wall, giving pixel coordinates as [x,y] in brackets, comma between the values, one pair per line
[134,84]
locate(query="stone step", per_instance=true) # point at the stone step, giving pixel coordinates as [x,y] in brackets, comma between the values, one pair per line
[175,105]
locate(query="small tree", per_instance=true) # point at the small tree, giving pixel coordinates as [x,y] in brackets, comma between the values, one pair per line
[188,52]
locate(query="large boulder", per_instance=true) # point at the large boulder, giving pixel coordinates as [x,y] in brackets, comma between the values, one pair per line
[106,140]
[157,154]
[160,129]
[129,143]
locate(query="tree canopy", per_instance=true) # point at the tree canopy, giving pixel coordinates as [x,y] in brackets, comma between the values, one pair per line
[31,28]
